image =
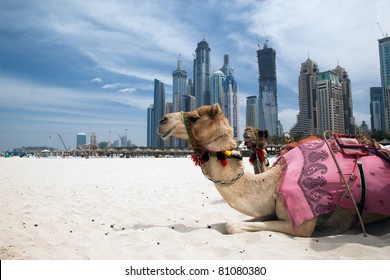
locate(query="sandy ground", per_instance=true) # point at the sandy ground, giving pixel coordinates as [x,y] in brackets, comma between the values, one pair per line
[143,209]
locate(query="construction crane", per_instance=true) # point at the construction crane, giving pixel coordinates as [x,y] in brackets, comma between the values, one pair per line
[383,34]
[59,136]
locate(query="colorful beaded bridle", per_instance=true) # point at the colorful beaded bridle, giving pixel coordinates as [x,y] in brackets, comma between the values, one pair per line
[202,154]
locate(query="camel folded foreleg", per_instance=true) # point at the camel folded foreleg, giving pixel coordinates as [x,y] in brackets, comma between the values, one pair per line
[304,230]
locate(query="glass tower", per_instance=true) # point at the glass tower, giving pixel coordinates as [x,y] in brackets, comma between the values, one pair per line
[268,111]
[230,97]
[179,85]
[182,100]
[252,104]
[217,91]
[202,74]
[376,108]
[384,60]
[158,111]
[81,140]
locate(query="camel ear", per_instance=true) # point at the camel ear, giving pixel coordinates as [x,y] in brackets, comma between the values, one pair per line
[215,110]
[265,133]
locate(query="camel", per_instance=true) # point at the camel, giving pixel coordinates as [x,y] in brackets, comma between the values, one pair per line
[260,196]
[256,141]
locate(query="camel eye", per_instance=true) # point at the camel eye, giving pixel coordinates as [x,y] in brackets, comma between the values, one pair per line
[193,118]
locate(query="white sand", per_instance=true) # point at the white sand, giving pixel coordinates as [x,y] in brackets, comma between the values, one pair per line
[144,209]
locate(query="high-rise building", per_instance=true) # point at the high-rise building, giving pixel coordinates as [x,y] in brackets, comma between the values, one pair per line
[329,103]
[158,112]
[349,119]
[384,59]
[364,127]
[268,111]
[252,116]
[190,88]
[182,100]
[217,90]
[81,140]
[93,139]
[325,101]
[179,85]
[306,118]
[230,97]
[202,74]
[150,130]
[377,107]
[171,141]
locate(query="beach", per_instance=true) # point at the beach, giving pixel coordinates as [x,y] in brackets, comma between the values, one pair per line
[144,209]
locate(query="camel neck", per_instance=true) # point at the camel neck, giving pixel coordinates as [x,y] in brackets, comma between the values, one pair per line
[223,170]
[222,143]
[251,194]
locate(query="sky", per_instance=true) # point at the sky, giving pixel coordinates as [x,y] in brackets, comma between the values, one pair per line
[70,66]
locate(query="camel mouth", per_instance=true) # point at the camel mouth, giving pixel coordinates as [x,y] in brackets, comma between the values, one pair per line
[168,133]
[247,137]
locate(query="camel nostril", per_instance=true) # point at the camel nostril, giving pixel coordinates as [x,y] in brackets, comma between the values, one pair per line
[164,120]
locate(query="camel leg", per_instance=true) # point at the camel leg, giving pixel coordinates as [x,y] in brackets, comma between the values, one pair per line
[263,219]
[305,230]
[262,167]
[256,168]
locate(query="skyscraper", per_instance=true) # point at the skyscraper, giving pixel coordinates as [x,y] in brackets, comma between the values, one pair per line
[329,103]
[150,130]
[202,74]
[81,140]
[217,90]
[306,118]
[349,119]
[268,111]
[230,98]
[252,117]
[182,100]
[158,111]
[190,88]
[384,59]
[93,139]
[377,108]
[179,85]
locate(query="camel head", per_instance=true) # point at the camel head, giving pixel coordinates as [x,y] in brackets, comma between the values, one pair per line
[255,137]
[207,126]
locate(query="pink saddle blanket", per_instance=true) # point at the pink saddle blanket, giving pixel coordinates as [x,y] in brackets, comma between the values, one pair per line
[312,186]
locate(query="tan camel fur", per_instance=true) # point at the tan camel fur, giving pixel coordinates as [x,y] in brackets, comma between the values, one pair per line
[254,195]
[256,141]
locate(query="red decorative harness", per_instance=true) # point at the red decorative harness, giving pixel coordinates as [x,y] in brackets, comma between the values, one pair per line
[202,154]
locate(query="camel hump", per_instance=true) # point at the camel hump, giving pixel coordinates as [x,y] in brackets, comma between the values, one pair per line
[292,145]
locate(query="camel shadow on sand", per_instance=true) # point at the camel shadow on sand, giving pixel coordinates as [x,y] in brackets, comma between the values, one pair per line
[320,241]
[378,235]
[181,228]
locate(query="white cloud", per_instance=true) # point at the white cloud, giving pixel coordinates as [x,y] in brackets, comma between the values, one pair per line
[114,86]
[127,90]
[97,81]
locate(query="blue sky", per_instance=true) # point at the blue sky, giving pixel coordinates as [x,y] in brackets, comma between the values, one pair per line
[88,66]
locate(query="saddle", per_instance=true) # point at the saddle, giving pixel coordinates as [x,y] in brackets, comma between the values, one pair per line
[350,145]
[360,146]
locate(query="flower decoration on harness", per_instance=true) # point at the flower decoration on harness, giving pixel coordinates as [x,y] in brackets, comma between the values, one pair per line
[260,154]
[201,154]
